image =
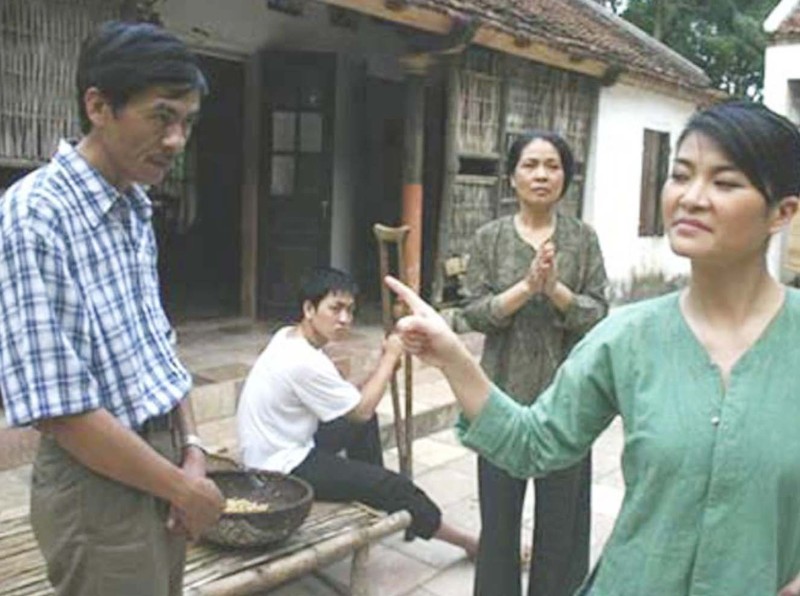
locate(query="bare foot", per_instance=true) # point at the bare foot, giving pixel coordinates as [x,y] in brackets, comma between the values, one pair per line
[458,537]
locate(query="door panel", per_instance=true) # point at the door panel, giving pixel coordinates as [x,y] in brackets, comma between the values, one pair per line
[295,209]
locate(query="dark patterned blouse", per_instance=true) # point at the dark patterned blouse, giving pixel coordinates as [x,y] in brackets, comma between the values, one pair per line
[522,352]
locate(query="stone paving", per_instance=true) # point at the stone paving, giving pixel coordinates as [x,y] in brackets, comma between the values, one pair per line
[219,356]
[448,473]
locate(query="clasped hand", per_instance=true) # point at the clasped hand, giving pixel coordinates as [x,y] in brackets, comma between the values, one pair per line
[542,274]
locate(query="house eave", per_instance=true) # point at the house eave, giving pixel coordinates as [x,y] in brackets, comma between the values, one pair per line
[675,89]
[491,36]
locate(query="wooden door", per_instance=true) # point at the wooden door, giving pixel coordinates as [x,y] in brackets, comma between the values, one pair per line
[296,197]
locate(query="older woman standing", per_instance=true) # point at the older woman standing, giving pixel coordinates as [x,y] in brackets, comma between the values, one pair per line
[704,381]
[531,321]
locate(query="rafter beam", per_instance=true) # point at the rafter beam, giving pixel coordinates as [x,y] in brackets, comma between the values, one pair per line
[432,21]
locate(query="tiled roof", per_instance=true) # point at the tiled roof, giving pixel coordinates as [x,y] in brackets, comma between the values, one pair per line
[789,27]
[583,29]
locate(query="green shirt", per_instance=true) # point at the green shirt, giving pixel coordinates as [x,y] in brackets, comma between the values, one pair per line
[712,476]
[523,351]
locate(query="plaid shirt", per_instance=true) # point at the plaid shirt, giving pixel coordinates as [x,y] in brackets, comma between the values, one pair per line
[82,325]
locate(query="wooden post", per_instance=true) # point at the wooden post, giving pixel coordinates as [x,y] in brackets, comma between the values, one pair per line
[359,581]
[250,186]
[412,166]
[416,67]
[453,92]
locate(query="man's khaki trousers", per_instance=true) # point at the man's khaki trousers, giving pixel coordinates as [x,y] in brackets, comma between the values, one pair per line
[100,537]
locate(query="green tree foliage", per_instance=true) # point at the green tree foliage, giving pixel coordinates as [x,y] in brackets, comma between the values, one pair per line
[723,37]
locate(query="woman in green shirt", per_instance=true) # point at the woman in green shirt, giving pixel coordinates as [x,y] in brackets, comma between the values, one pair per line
[530,328]
[702,379]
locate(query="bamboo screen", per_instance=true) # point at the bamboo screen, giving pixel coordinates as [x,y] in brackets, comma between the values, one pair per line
[530,93]
[479,104]
[473,206]
[542,97]
[500,97]
[39,43]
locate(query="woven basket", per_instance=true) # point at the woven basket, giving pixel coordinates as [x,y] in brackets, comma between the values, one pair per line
[289,500]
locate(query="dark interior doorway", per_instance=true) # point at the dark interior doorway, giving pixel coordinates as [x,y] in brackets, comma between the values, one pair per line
[380,177]
[197,217]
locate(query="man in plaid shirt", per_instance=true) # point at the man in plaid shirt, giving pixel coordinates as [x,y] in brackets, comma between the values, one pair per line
[85,347]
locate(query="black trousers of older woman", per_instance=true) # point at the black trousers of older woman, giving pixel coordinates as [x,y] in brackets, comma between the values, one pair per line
[560,560]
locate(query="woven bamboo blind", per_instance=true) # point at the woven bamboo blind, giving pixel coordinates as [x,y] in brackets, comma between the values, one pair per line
[546,98]
[531,88]
[473,206]
[479,105]
[39,43]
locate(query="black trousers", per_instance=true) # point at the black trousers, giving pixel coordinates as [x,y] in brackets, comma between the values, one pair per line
[361,475]
[561,531]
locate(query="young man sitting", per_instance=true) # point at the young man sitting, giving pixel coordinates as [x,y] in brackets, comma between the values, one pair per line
[294,386]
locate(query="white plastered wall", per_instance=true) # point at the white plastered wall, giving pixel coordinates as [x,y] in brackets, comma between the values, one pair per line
[611,200]
[781,67]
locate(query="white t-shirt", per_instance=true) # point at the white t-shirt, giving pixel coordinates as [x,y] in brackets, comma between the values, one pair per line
[292,386]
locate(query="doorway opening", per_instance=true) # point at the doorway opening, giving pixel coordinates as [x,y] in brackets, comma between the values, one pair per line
[197,210]
[379,198]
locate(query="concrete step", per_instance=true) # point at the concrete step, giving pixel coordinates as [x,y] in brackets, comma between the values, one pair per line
[434,409]
[425,423]
[216,392]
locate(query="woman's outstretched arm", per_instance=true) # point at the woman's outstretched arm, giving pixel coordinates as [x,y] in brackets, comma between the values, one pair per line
[425,334]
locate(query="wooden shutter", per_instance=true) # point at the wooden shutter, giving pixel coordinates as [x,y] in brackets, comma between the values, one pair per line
[655,163]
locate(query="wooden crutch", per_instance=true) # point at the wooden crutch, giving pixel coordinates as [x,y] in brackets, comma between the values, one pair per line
[403,422]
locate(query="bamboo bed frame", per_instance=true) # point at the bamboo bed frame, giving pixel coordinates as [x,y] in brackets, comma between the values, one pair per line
[331,532]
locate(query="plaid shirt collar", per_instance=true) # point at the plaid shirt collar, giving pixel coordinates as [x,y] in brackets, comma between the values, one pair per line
[101,197]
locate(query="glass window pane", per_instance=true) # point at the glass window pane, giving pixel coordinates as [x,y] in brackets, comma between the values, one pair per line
[283,131]
[282,175]
[310,132]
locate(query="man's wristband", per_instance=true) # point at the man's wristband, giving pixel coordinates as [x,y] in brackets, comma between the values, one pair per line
[194,441]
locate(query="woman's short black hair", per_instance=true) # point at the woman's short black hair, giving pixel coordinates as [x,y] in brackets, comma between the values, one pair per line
[556,140]
[764,145]
[319,282]
[122,59]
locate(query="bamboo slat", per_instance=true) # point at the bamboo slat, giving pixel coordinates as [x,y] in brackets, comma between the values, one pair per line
[335,524]
[276,572]
[498,98]
[39,42]
[472,205]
